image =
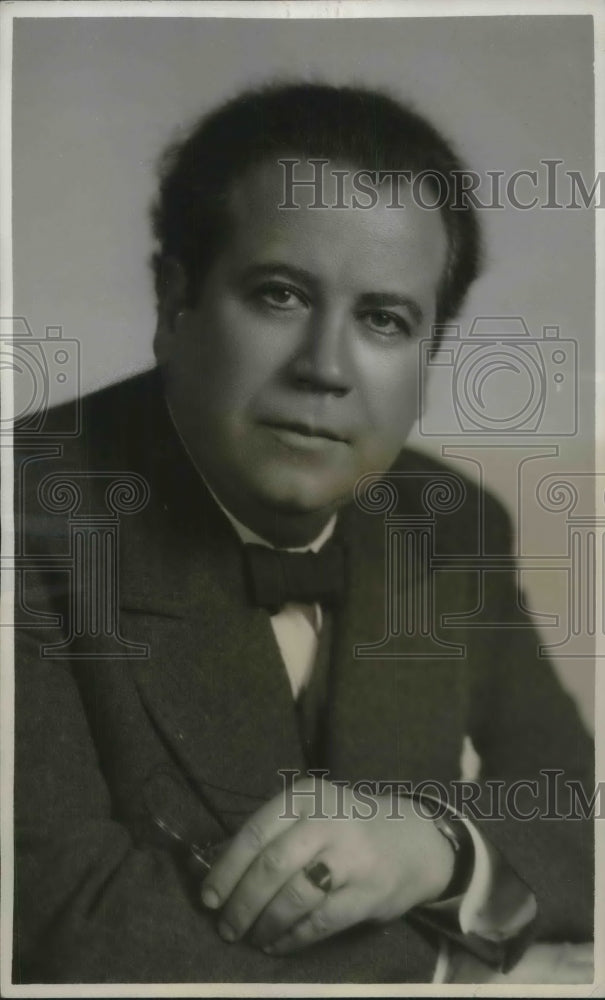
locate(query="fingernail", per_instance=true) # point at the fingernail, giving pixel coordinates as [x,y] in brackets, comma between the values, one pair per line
[210,898]
[226,932]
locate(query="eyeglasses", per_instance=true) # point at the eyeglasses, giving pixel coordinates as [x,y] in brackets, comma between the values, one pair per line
[199,857]
[169,809]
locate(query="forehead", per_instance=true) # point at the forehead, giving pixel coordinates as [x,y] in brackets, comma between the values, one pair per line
[384,244]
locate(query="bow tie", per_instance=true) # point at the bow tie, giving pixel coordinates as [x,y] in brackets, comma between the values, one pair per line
[276,576]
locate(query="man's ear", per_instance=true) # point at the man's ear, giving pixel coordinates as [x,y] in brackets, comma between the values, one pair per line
[172,300]
[424,375]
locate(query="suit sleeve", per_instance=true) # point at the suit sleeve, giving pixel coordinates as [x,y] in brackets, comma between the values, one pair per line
[535,756]
[93,901]
[532,841]
[494,916]
[91,904]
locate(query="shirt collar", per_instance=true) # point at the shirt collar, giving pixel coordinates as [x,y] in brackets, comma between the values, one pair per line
[249,537]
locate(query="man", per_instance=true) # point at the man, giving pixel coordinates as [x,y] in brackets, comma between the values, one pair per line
[287,348]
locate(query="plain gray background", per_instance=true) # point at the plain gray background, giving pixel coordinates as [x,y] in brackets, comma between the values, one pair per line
[95,101]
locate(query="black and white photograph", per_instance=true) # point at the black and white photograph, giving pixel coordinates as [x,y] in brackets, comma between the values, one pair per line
[303,499]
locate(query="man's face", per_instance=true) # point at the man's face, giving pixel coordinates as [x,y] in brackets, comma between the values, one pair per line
[296,372]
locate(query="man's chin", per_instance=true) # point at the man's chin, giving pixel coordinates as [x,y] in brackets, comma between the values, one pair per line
[304,499]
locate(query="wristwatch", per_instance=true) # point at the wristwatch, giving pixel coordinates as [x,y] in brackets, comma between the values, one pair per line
[455,831]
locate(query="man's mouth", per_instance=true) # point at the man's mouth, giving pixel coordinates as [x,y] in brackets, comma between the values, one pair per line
[302,434]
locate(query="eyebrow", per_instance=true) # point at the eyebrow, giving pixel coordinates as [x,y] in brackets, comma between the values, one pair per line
[381,300]
[287,270]
[371,300]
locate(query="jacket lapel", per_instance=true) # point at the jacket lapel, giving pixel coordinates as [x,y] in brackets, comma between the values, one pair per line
[396,711]
[214,682]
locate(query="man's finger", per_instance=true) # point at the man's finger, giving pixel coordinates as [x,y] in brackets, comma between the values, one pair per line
[297,898]
[341,909]
[266,876]
[265,825]
[301,894]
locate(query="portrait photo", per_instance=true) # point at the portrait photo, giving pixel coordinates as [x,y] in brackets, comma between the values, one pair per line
[303,498]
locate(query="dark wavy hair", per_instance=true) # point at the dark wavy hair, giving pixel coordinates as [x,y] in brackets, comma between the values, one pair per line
[364,128]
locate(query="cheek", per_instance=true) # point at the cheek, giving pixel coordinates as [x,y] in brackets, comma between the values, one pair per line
[214,364]
[241,350]
[392,397]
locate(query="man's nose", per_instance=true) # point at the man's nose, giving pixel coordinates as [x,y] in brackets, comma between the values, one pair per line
[323,363]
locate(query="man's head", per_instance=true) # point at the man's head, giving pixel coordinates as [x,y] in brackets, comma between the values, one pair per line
[362,128]
[289,336]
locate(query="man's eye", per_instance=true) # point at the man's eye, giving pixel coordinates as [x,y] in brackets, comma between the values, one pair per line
[386,323]
[280,296]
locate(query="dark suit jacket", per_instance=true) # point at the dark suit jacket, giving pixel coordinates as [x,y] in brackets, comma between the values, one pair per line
[199,728]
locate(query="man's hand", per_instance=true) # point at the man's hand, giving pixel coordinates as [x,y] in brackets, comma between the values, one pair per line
[381,865]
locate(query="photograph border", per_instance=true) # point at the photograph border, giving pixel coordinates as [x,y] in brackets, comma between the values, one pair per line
[298,9]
